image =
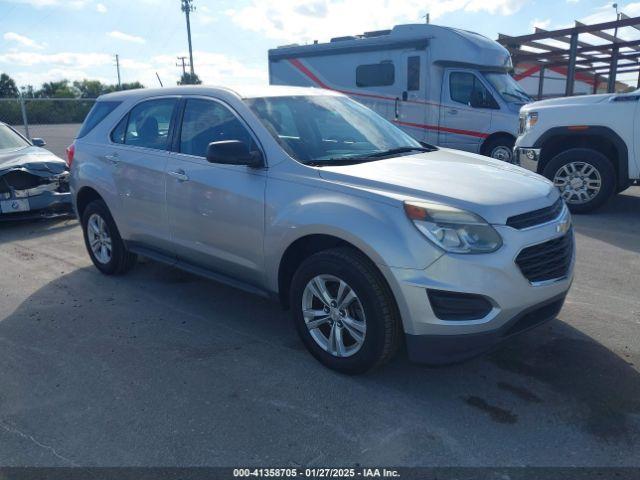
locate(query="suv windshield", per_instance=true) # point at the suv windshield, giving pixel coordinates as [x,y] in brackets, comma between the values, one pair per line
[10,140]
[507,87]
[326,130]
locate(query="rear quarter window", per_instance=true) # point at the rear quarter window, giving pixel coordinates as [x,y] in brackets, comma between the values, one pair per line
[98,112]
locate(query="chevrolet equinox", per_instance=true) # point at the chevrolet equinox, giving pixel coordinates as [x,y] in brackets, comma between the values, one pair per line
[368,237]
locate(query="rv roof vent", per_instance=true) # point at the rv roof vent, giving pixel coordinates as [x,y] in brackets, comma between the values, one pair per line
[377,33]
[343,39]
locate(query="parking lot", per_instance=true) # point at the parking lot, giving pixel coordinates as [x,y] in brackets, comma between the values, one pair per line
[163,368]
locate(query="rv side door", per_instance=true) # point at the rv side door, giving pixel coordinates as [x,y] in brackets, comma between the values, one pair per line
[411,106]
[466,110]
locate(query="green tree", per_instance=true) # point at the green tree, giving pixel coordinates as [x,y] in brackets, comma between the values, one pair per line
[189,79]
[59,89]
[7,86]
[89,88]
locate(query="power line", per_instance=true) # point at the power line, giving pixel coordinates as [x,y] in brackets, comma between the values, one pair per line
[187,8]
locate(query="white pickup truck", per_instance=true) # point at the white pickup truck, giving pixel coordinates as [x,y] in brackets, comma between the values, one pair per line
[588,145]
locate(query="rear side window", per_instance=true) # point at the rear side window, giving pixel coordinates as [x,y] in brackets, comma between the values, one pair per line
[97,113]
[375,75]
[413,73]
[149,124]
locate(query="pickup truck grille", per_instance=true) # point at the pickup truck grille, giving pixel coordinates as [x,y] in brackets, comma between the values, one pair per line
[547,261]
[536,217]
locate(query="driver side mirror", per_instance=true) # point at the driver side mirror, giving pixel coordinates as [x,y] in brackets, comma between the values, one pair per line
[38,142]
[233,152]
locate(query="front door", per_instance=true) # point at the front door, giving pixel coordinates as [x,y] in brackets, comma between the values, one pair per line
[215,212]
[465,113]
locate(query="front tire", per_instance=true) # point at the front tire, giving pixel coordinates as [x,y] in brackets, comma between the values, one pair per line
[344,311]
[102,239]
[585,178]
[500,148]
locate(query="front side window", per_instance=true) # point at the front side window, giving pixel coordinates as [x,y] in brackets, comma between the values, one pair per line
[328,128]
[149,124]
[375,75]
[10,140]
[207,121]
[466,88]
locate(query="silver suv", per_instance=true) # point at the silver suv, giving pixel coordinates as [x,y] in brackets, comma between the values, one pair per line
[367,236]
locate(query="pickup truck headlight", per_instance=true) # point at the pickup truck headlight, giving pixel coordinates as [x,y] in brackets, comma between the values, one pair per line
[452,229]
[530,119]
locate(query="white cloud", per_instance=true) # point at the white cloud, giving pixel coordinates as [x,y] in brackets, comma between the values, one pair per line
[22,40]
[125,37]
[543,24]
[101,8]
[64,59]
[53,3]
[306,20]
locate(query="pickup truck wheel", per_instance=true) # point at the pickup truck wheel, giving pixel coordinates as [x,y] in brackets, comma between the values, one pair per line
[344,311]
[102,239]
[585,178]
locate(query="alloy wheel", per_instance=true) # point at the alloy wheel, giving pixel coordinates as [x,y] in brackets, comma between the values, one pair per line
[99,239]
[334,315]
[579,182]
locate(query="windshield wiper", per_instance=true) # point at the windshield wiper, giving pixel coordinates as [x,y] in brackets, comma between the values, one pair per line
[368,157]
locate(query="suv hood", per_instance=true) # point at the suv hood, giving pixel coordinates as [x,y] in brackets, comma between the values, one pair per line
[492,189]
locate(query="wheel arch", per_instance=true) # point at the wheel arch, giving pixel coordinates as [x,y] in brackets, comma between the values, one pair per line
[599,138]
[302,248]
[494,136]
[85,196]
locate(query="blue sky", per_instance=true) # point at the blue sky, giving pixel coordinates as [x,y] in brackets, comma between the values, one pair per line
[43,40]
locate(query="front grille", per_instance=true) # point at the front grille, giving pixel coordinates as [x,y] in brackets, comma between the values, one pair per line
[547,261]
[536,217]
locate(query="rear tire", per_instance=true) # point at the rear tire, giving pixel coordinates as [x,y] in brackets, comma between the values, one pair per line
[586,178]
[102,239]
[367,325]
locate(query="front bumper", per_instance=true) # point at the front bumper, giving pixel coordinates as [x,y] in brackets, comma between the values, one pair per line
[494,276]
[45,205]
[527,158]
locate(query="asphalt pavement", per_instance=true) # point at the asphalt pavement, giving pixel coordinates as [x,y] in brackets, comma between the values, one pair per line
[161,368]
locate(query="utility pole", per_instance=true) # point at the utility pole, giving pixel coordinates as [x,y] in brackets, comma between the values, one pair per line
[187,8]
[118,68]
[182,61]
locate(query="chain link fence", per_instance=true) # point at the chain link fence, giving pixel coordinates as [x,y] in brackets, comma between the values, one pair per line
[56,120]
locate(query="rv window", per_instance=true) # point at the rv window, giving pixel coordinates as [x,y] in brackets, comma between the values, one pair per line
[467,89]
[375,75]
[413,73]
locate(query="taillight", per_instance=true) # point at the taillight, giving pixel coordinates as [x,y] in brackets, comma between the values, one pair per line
[71,151]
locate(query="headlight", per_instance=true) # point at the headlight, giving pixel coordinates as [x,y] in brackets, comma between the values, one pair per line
[453,230]
[530,120]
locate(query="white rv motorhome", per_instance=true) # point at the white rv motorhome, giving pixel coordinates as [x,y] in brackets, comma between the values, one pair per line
[444,86]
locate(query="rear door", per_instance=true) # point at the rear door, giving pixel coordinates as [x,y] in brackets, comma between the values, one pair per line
[138,155]
[464,122]
[215,212]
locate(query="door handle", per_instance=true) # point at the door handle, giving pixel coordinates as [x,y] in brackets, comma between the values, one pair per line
[452,111]
[179,175]
[396,108]
[114,158]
